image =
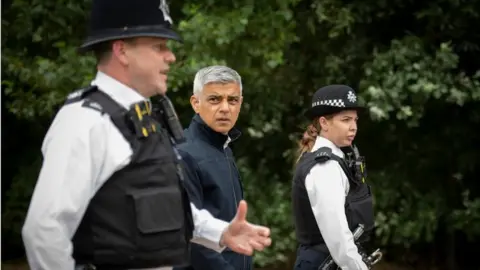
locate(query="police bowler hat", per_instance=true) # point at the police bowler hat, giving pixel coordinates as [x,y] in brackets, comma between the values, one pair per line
[120,19]
[332,99]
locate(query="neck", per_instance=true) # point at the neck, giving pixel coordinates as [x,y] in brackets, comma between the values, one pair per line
[218,138]
[119,75]
[328,137]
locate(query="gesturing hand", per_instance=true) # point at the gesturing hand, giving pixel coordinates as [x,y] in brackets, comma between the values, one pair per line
[243,237]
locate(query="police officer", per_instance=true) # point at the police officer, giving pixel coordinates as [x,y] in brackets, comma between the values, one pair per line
[330,200]
[110,193]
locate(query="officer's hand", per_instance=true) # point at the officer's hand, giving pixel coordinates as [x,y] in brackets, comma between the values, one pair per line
[243,237]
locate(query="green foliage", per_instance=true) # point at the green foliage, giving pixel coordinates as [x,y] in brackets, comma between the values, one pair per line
[404,78]
[18,198]
[39,55]
[269,204]
[468,217]
[420,79]
[405,213]
[400,84]
[39,76]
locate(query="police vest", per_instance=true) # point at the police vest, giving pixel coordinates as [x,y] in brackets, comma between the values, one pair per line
[358,202]
[141,216]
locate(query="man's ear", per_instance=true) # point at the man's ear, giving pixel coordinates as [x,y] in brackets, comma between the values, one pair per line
[119,49]
[195,102]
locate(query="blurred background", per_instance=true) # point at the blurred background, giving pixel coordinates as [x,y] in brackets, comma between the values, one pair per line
[415,64]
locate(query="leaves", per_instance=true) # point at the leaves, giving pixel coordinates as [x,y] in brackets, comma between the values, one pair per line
[420,79]
[404,78]
[42,83]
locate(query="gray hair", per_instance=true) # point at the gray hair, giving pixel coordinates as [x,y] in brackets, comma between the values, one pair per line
[215,74]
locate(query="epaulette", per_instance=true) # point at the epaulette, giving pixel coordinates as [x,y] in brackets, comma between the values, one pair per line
[323,154]
[80,94]
[88,103]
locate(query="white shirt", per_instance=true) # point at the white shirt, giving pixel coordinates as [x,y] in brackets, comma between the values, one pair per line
[327,186]
[81,150]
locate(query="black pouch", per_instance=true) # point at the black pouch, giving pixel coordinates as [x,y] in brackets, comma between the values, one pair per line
[359,210]
[159,218]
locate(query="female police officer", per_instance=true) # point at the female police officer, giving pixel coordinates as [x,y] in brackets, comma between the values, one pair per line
[328,202]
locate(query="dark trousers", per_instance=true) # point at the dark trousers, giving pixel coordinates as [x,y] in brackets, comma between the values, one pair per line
[309,259]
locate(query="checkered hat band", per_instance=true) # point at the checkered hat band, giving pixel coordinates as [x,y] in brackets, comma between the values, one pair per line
[329,102]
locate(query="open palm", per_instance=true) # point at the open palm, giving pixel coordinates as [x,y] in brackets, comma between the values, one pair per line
[244,237]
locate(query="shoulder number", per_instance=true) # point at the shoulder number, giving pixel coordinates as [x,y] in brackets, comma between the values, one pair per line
[323,154]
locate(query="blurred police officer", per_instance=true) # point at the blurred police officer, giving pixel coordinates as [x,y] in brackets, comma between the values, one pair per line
[110,192]
[330,198]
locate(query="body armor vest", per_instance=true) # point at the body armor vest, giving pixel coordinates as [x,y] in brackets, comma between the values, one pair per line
[358,202]
[141,216]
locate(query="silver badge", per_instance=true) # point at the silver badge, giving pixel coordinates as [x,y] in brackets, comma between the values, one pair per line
[165,10]
[351,97]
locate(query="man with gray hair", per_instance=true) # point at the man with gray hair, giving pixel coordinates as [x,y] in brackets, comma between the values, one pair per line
[213,181]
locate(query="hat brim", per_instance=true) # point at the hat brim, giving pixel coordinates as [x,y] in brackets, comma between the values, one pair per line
[116,34]
[322,110]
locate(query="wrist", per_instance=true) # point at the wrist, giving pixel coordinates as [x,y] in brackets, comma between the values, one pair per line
[222,238]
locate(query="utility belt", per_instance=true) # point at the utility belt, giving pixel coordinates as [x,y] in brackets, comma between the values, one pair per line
[321,248]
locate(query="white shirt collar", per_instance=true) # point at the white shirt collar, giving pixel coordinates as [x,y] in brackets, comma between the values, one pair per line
[227,142]
[323,142]
[118,91]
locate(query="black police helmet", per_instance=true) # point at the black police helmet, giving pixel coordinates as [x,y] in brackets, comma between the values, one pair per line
[120,19]
[333,99]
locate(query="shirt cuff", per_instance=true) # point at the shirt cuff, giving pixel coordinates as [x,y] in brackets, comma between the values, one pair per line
[208,230]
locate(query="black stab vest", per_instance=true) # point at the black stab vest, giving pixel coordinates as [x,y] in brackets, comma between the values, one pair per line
[141,216]
[358,202]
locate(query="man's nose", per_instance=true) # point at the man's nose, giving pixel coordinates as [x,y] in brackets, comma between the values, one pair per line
[170,57]
[224,106]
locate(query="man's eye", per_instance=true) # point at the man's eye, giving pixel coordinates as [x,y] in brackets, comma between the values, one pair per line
[161,47]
